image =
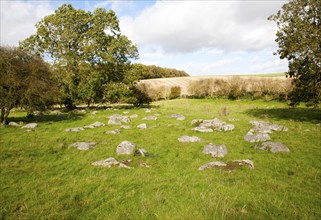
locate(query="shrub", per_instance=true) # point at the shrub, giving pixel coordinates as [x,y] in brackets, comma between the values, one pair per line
[139,96]
[237,87]
[175,92]
[116,92]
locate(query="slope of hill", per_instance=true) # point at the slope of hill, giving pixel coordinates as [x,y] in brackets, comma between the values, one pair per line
[185,83]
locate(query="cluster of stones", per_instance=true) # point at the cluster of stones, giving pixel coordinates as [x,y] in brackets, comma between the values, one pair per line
[94,125]
[124,148]
[201,125]
[117,119]
[177,116]
[216,151]
[84,145]
[228,165]
[260,133]
[29,127]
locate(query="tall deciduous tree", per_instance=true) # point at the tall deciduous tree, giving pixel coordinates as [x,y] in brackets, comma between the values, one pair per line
[25,81]
[85,48]
[299,40]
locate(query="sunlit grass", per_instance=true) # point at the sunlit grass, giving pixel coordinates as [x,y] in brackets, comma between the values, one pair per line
[43,177]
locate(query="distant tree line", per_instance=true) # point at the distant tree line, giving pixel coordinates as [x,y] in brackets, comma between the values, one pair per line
[141,71]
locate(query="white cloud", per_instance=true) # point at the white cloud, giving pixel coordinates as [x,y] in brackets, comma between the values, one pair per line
[210,67]
[188,26]
[271,66]
[18,19]
[200,37]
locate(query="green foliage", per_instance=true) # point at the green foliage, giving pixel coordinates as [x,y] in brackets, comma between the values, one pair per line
[141,71]
[42,176]
[138,96]
[123,93]
[25,81]
[175,92]
[85,47]
[299,41]
[116,92]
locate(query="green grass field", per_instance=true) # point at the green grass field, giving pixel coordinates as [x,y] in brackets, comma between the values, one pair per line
[42,177]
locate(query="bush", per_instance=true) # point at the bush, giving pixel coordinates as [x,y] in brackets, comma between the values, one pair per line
[237,87]
[139,96]
[116,92]
[175,92]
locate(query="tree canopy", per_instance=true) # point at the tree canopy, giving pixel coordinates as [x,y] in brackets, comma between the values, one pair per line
[140,71]
[25,81]
[86,48]
[299,40]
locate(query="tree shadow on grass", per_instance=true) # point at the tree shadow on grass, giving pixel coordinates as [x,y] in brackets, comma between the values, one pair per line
[113,106]
[47,118]
[65,115]
[296,114]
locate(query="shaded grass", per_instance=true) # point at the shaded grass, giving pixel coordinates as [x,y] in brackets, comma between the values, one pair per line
[297,114]
[42,177]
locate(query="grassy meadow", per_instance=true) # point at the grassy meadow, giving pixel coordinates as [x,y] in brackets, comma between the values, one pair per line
[42,177]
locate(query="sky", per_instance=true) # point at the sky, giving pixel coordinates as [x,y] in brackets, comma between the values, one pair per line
[201,37]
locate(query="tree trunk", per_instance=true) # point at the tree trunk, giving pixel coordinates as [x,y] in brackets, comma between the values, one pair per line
[4,115]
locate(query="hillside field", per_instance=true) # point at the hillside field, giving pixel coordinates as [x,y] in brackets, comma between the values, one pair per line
[188,85]
[44,177]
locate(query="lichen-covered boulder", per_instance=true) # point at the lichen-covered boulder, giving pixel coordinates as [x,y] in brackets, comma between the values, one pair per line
[267,127]
[215,150]
[202,129]
[186,139]
[150,118]
[225,127]
[116,131]
[75,129]
[272,147]
[177,116]
[213,123]
[211,165]
[98,124]
[30,126]
[110,162]
[247,162]
[125,127]
[125,147]
[142,126]
[209,125]
[228,166]
[83,145]
[257,137]
[14,124]
[134,116]
[117,119]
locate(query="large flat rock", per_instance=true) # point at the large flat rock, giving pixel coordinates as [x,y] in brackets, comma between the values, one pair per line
[186,139]
[125,147]
[272,147]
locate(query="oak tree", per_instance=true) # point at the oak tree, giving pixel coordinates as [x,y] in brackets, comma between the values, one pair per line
[299,41]
[84,47]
